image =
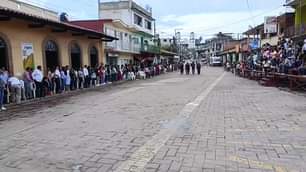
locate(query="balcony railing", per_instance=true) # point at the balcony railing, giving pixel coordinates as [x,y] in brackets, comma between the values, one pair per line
[150,49]
[295,31]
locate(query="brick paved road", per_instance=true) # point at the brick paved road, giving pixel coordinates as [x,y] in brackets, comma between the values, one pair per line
[214,122]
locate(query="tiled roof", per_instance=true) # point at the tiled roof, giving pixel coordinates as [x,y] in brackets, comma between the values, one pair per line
[52,23]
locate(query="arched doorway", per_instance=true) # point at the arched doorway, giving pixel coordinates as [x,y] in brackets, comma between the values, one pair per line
[51,55]
[93,53]
[75,55]
[4,61]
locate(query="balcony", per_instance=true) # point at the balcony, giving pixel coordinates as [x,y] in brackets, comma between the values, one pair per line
[295,31]
[152,49]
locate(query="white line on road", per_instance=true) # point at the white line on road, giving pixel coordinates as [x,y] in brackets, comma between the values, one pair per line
[138,160]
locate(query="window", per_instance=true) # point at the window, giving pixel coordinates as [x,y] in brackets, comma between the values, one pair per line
[51,46]
[148,25]
[136,40]
[137,20]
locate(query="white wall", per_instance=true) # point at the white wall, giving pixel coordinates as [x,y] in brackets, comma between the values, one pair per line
[125,14]
[121,14]
[143,23]
[126,43]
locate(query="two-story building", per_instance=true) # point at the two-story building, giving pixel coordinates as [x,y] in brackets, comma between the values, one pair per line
[285,28]
[213,46]
[120,51]
[138,20]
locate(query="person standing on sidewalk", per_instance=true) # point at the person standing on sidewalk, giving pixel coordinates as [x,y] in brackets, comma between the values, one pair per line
[15,87]
[2,88]
[37,76]
[86,76]
[57,80]
[27,83]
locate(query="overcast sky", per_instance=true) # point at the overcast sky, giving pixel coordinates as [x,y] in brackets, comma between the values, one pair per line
[204,17]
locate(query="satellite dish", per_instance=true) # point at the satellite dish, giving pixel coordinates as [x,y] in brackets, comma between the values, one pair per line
[64,17]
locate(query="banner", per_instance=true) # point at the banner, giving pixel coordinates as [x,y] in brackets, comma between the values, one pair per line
[254,44]
[270,25]
[27,55]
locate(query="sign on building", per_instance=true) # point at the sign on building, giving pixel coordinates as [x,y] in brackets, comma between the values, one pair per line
[27,55]
[270,24]
[254,44]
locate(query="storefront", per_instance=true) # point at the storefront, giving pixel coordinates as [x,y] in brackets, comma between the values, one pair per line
[30,41]
[112,58]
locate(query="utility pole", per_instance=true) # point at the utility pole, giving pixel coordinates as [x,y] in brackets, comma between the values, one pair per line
[177,36]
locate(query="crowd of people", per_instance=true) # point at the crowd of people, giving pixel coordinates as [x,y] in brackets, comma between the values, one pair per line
[286,57]
[34,84]
[190,68]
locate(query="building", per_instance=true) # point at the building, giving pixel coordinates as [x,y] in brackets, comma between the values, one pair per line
[214,46]
[139,21]
[118,52]
[29,9]
[298,31]
[166,43]
[130,13]
[285,23]
[29,40]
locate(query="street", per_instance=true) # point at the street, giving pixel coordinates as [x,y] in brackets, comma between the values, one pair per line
[214,122]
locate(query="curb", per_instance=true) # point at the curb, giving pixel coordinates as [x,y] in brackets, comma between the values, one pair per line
[63,95]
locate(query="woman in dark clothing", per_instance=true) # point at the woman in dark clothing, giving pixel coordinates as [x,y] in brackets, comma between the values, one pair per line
[193,68]
[187,68]
[182,68]
[199,68]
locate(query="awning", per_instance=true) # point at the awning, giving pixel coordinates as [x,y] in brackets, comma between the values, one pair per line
[167,53]
[57,26]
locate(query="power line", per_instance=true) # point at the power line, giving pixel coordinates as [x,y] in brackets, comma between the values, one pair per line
[250,11]
[242,20]
[236,22]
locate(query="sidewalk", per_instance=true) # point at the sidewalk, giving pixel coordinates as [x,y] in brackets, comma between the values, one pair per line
[13,107]
[28,104]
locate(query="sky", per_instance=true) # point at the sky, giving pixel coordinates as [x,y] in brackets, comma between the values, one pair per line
[204,17]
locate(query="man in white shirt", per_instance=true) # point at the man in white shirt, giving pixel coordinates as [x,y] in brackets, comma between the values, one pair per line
[37,75]
[86,76]
[15,87]
[57,76]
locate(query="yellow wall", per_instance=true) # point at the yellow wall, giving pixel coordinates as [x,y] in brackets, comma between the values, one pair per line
[18,32]
[300,13]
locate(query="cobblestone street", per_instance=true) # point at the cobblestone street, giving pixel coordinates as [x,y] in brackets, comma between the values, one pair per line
[213,123]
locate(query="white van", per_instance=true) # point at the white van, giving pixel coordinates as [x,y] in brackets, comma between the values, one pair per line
[215,61]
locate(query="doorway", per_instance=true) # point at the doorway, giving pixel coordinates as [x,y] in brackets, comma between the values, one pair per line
[94,57]
[75,56]
[3,55]
[51,55]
